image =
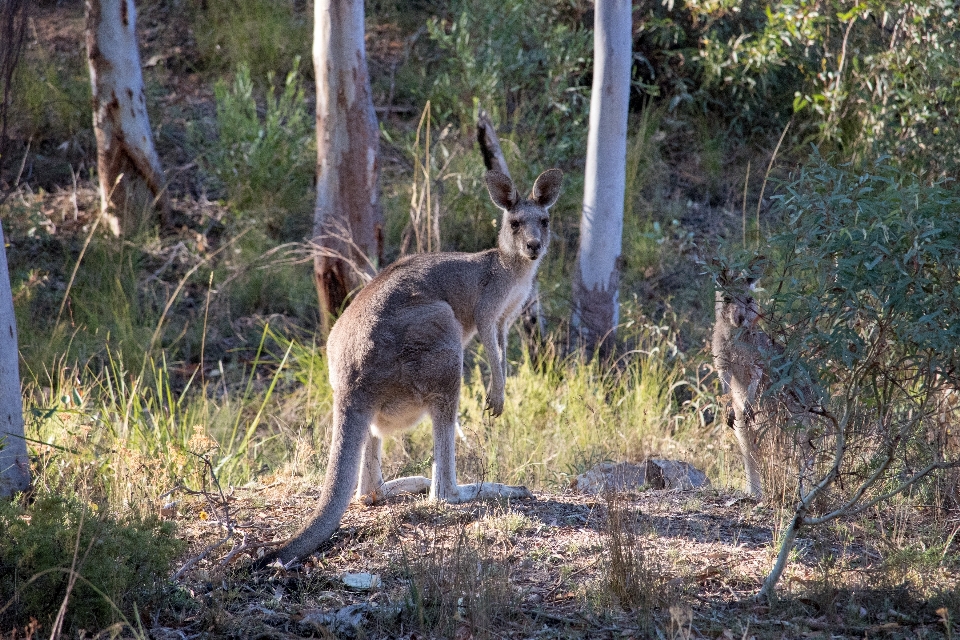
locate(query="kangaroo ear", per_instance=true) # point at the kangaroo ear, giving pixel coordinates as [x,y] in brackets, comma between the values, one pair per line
[546,189]
[725,278]
[502,191]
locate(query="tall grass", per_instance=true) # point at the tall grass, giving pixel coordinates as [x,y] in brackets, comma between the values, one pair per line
[458,585]
[265,34]
[564,415]
[51,97]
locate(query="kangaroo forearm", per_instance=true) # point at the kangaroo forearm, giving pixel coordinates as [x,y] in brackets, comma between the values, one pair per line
[488,337]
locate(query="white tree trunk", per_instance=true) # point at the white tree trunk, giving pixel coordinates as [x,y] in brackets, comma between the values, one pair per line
[131,179]
[14,463]
[596,310]
[347,221]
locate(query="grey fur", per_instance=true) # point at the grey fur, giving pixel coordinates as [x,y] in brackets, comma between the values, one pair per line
[737,350]
[396,355]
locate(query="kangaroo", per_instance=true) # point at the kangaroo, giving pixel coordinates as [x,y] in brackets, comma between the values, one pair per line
[396,355]
[737,345]
[741,350]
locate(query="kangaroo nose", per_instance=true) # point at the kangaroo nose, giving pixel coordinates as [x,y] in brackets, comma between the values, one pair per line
[533,245]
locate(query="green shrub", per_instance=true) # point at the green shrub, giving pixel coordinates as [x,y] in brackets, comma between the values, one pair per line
[527,64]
[121,563]
[864,286]
[864,310]
[266,35]
[847,74]
[264,164]
[51,97]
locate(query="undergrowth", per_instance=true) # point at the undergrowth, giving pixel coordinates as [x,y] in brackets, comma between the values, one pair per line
[105,569]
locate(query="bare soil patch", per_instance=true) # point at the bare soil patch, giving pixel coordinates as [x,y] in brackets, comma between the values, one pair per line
[537,569]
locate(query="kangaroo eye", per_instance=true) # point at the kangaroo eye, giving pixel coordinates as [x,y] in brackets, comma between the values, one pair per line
[727,299]
[544,222]
[515,225]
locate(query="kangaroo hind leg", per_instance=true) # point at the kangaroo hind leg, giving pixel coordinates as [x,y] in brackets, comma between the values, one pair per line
[372,489]
[444,485]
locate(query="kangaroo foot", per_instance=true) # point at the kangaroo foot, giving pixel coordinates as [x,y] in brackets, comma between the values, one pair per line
[459,494]
[398,487]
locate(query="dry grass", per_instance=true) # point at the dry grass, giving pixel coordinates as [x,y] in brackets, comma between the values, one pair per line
[658,563]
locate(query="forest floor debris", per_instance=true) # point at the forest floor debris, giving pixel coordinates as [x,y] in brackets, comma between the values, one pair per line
[704,551]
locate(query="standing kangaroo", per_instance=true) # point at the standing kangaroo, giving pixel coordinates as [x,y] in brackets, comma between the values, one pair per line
[737,351]
[741,351]
[396,355]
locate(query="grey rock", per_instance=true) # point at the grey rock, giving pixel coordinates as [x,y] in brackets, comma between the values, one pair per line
[654,473]
[343,623]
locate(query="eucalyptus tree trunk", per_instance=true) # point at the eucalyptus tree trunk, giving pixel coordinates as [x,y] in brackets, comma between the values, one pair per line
[13,31]
[597,276]
[347,220]
[131,180]
[14,463]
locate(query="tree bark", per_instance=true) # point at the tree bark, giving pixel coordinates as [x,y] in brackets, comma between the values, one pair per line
[14,463]
[347,220]
[596,310]
[13,31]
[132,185]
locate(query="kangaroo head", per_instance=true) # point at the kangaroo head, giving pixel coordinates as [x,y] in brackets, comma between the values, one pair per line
[525,229]
[735,305]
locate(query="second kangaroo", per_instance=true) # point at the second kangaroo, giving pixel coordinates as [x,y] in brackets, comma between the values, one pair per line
[396,355]
[737,346]
[741,354]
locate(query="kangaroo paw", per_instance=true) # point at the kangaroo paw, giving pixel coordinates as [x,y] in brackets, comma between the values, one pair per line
[484,490]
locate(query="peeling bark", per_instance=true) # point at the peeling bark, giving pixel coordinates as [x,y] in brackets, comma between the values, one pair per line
[132,185]
[596,280]
[13,30]
[347,222]
[14,463]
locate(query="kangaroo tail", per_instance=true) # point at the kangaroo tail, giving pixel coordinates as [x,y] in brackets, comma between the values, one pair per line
[351,429]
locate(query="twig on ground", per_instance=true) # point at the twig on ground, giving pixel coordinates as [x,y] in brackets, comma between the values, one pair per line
[243,547]
[226,521]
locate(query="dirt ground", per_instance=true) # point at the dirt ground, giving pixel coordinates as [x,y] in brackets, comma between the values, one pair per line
[678,564]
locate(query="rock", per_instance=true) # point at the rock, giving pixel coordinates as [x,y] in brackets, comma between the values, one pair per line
[653,473]
[678,474]
[361,581]
[611,476]
[169,510]
[343,623]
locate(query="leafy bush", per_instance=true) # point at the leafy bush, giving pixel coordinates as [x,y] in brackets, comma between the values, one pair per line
[265,34]
[527,64]
[865,293]
[864,307]
[51,97]
[120,563]
[851,74]
[264,163]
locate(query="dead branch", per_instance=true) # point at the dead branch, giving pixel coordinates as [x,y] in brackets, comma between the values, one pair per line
[243,547]
[215,506]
